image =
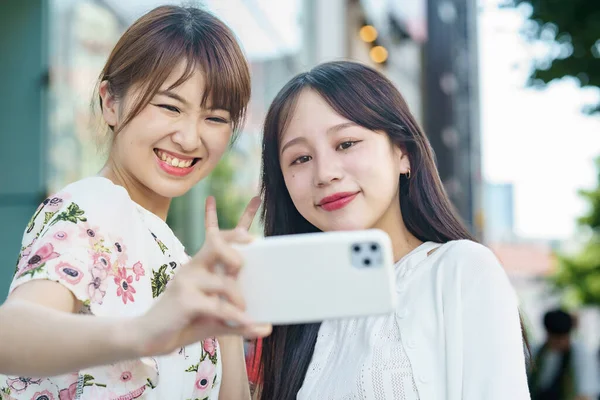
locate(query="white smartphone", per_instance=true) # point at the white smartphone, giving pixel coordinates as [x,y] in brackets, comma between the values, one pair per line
[312,277]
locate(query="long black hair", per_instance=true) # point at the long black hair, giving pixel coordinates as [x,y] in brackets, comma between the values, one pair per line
[369,99]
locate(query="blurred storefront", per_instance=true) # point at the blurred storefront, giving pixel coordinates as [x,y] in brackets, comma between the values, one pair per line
[23,111]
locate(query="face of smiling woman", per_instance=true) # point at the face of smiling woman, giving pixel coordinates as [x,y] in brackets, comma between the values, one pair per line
[340,175]
[171,144]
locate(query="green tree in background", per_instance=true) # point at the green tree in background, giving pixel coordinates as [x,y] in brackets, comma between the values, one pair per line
[186,214]
[573,26]
[573,29]
[221,184]
[579,275]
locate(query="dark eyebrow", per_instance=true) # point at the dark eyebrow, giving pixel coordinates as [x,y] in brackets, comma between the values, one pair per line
[291,143]
[180,99]
[341,126]
[331,129]
[173,95]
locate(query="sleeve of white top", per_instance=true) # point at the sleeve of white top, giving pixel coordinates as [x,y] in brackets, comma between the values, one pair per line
[493,350]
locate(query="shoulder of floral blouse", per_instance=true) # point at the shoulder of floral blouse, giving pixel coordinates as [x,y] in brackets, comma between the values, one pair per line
[101,200]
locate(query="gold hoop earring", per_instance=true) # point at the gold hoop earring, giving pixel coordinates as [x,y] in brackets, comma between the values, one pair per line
[408,174]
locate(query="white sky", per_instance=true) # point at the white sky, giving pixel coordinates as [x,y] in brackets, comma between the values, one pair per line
[539,140]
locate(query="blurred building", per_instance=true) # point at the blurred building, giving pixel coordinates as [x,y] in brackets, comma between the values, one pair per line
[499,212]
[24,130]
[529,263]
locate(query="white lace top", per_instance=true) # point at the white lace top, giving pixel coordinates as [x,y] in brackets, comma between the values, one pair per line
[454,335]
[363,358]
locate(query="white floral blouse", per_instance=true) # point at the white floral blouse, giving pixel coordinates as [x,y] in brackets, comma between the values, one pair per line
[117,258]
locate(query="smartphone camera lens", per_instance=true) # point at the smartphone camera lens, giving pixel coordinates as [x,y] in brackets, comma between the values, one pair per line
[367,262]
[356,248]
[374,247]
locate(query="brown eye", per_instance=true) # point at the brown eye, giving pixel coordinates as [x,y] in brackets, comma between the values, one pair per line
[218,120]
[169,108]
[346,145]
[302,160]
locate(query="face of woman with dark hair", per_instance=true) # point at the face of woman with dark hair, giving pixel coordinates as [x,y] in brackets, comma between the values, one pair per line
[340,176]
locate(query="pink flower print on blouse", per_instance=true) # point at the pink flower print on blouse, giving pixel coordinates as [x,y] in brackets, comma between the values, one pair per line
[55,203]
[66,232]
[68,393]
[45,395]
[31,262]
[60,235]
[69,273]
[121,251]
[50,206]
[89,232]
[210,346]
[138,270]
[129,376]
[97,286]
[20,384]
[101,260]
[27,250]
[204,379]
[125,290]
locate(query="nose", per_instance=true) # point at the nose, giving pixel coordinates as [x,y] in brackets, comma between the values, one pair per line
[188,137]
[327,170]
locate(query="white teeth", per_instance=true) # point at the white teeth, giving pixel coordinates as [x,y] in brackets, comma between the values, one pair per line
[173,161]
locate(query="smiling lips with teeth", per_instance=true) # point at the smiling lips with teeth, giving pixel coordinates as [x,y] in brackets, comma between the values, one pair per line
[174,161]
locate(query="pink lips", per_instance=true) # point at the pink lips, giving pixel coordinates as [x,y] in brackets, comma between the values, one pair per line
[171,170]
[337,201]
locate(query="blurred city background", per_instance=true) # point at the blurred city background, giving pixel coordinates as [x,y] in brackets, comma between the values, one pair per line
[507,90]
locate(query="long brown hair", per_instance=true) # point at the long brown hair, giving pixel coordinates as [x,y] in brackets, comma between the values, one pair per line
[369,99]
[151,48]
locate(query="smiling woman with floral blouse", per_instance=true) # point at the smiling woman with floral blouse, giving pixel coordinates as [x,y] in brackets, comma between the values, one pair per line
[105,300]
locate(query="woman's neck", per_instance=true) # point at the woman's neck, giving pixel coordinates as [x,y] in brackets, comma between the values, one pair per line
[139,193]
[403,242]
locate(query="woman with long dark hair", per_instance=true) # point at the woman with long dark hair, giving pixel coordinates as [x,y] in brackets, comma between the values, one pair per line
[341,151]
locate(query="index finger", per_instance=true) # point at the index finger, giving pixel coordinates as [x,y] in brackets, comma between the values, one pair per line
[249,213]
[211,221]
